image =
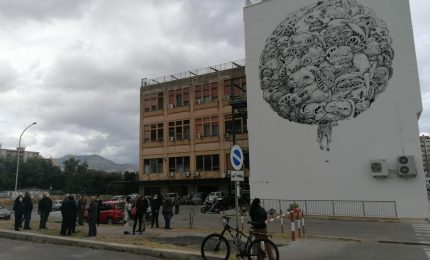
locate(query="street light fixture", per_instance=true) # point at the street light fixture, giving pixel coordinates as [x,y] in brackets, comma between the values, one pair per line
[17,156]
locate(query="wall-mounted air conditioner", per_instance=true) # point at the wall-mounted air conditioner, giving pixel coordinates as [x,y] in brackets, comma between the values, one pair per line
[172,174]
[198,136]
[171,138]
[227,135]
[196,174]
[227,97]
[199,101]
[406,166]
[187,174]
[171,106]
[378,168]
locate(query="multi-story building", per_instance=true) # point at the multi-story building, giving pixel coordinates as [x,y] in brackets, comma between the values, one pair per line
[24,155]
[188,124]
[425,150]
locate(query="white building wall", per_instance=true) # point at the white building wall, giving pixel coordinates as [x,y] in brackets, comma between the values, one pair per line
[286,160]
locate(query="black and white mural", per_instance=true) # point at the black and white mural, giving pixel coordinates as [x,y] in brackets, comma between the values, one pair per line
[325,63]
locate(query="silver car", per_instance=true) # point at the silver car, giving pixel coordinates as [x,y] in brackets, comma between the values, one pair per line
[4,213]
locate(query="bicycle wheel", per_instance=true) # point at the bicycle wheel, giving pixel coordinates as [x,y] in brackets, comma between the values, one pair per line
[263,249]
[215,245]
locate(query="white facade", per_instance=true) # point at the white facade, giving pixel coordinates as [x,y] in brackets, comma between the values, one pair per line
[286,160]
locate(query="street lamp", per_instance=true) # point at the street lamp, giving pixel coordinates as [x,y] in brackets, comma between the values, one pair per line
[17,155]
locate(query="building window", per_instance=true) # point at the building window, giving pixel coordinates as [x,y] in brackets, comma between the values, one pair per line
[207,162]
[238,125]
[234,88]
[206,93]
[179,164]
[153,101]
[153,133]
[207,126]
[179,130]
[179,97]
[153,165]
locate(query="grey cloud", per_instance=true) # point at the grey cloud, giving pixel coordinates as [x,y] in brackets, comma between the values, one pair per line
[8,77]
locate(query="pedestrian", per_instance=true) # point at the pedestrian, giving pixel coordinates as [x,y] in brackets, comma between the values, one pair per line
[259,216]
[141,207]
[70,210]
[155,210]
[28,205]
[63,215]
[19,209]
[176,205]
[82,202]
[167,212]
[92,217]
[44,208]
[127,215]
[75,213]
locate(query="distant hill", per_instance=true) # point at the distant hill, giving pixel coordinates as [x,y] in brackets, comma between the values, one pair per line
[97,162]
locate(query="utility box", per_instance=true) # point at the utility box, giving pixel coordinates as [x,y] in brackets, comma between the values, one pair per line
[378,168]
[406,166]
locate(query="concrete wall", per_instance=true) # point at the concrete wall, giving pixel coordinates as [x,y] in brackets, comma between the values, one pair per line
[286,160]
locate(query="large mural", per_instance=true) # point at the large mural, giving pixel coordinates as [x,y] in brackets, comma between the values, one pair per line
[325,63]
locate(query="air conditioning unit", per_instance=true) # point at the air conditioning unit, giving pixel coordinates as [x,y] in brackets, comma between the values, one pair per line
[198,136]
[199,101]
[227,135]
[171,106]
[172,138]
[379,168]
[406,166]
[172,174]
[196,174]
[227,97]
[187,174]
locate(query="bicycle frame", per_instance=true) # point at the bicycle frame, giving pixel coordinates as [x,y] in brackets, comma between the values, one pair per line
[236,234]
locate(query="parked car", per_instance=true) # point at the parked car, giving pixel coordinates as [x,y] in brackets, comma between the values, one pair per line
[216,194]
[198,198]
[111,212]
[118,198]
[4,213]
[56,204]
[134,196]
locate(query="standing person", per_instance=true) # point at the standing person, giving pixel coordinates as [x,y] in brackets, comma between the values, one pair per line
[176,205]
[63,215]
[259,216]
[19,209]
[167,212]
[92,217]
[141,207]
[155,210]
[28,205]
[75,212]
[44,208]
[127,215]
[70,213]
[82,202]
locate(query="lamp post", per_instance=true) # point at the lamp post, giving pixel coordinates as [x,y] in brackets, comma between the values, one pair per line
[17,156]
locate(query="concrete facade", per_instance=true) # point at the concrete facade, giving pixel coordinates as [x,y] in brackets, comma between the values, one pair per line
[286,160]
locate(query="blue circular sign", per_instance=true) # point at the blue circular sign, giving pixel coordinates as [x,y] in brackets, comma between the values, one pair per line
[236,157]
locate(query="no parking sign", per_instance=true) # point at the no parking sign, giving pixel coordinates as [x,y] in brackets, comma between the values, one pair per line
[236,159]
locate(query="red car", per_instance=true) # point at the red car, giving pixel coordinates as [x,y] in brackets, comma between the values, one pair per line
[111,212]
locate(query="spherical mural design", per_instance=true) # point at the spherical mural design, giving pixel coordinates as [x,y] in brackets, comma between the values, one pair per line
[325,63]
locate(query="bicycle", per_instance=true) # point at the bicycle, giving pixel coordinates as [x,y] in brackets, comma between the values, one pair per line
[255,247]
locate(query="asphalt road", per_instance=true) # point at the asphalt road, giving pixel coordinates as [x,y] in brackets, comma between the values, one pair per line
[17,250]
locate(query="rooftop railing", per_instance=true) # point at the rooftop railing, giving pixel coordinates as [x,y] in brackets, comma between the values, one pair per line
[193,73]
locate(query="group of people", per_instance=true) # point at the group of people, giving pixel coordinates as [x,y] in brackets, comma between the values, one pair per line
[23,206]
[135,212]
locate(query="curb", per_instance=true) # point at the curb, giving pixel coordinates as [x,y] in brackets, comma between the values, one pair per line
[133,249]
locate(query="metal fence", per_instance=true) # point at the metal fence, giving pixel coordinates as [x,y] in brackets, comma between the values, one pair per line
[350,208]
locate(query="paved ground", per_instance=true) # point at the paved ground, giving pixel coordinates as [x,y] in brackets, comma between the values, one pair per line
[325,238]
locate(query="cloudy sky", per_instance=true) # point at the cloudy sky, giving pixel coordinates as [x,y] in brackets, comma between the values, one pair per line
[75,66]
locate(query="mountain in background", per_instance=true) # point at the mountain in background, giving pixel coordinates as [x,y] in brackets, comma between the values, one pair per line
[97,162]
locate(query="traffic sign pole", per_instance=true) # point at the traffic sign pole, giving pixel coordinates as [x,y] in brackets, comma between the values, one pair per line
[236,159]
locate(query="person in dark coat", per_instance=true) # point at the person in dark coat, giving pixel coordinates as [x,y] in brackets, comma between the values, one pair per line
[68,211]
[92,217]
[28,205]
[19,210]
[259,216]
[142,205]
[44,208]
[167,212]
[155,210]
[63,215]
